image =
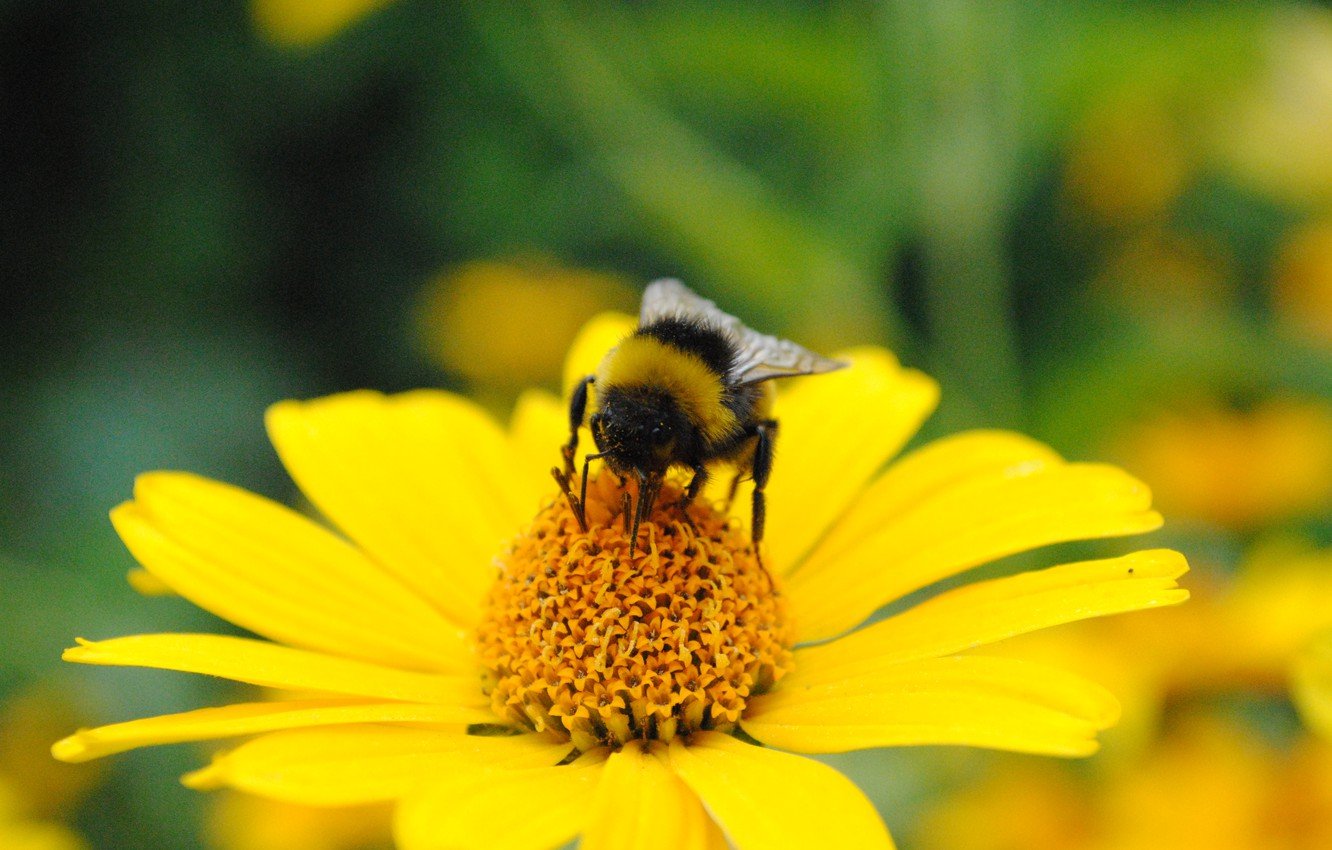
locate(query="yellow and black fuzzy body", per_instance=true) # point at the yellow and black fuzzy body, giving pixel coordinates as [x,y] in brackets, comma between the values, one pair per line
[663,400]
[689,388]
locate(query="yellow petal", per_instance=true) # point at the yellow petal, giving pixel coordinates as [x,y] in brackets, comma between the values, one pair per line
[988,611]
[835,431]
[304,23]
[146,583]
[962,526]
[272,571]
[1313,685]
[930,469]
[350,765]
[423,482]
[272,666]
[1001,703]
[538,808]
[598,336]
[250,719]
[539,427]
[640,804]
[766,800]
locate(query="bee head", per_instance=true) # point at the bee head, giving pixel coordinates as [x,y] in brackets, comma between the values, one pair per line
[639,430]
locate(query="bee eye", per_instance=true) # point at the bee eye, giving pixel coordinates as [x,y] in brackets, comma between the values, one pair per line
[658,433]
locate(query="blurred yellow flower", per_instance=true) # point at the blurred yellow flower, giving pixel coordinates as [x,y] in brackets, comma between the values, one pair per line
[639,699]
[304,23]
[506,325]
[1302,281]
[1158,270]
[32,795]
[29,721]
[1277,135]
[1128,161]
[1210,783]
[246,822]
[1276,605]
[1015,806]
[1312,682]
[1239,469]
[18,831]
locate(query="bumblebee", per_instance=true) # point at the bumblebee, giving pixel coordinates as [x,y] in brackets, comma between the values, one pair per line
[690,387]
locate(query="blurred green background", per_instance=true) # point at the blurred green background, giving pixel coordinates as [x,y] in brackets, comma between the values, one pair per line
[1107,224]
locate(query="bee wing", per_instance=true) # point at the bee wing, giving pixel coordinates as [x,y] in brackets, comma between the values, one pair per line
[763,357]
[760,356]
[670,299]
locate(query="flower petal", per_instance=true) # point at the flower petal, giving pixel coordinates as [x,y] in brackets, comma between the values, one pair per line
[269,665]
[536,808]
[598,336]
[640,804]
[827,448]
[144,582]
[963,526]
[930,469]
[423,481]
[537,430]
[988,611]
[766,800]
[1001,703]
[270,570]
[350,765]
[250,719]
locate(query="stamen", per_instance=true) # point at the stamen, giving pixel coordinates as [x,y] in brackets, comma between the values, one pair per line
[590,638]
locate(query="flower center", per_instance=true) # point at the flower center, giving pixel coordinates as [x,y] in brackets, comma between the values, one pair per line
[590,644]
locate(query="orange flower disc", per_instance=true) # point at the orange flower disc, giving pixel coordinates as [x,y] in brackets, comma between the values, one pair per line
[587,643]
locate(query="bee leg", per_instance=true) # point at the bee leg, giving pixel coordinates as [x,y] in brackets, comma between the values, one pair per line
[734,488]
[580,510]
[696,485]
[626,508]
[577,409]
[653,490]
[562,478]
[648,488]
[643,496]
[767,431]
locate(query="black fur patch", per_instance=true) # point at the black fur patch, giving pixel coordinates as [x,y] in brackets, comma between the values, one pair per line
[694,337]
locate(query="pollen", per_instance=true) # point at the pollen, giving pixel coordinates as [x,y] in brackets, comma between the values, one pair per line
[586,642]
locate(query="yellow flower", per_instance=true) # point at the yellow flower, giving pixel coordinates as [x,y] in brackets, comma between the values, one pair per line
[1026,806]
[304,23]
[20,832]
[1209,783]
[1158,270]
[1236,469]
[32,795]
[246,822]
[1302,281]
[1312,683]
[1275,138]
[1128,162]
[29,720]
[518,695]
[504,325]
